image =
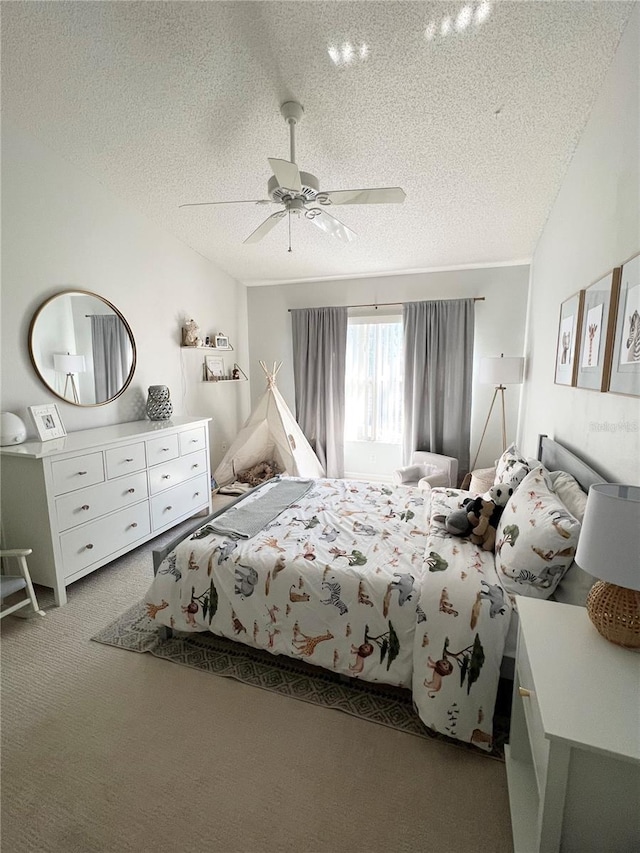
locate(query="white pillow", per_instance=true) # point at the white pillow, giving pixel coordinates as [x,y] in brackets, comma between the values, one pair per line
[570,493]
[511,468]
[413,473]
[536,539]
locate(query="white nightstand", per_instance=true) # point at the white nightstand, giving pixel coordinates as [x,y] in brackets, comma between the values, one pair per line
[573,762]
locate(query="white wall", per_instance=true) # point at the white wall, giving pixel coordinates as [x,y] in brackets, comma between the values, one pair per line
[594,225]
[62,230]
[500,326]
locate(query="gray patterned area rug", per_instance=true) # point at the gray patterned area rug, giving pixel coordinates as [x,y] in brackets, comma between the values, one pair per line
[377,703]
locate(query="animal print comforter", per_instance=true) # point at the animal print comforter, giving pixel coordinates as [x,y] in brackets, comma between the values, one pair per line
[357,578]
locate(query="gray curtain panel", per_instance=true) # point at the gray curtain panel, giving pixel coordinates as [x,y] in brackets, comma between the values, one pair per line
[438,374]
[111,350]
[319,357]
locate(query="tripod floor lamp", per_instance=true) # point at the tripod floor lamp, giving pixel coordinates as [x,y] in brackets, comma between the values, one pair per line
[69,364]
[499,372]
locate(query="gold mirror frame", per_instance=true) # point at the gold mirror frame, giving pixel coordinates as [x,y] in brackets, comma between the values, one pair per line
[32,330]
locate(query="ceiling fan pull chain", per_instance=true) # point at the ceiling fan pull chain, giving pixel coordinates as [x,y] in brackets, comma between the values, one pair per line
[289,230]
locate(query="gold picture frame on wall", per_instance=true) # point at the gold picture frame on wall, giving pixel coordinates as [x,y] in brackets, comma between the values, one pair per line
[567,341]
[597,327]
[624,369]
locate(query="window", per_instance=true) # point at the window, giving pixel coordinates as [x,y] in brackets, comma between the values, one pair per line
[373,382]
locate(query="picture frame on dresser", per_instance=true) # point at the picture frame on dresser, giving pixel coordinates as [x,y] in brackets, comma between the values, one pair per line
[47,421]
[567,341]
[597,326]
[624,369]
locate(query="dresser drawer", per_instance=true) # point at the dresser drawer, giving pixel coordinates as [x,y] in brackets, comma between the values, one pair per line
[165,476]
[539,744]
[125,460]
[70,474]
[163,448]
[184,499]
[85,545]
[192,439]
[87,504]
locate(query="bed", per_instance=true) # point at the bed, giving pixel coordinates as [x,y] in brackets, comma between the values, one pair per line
[359,578]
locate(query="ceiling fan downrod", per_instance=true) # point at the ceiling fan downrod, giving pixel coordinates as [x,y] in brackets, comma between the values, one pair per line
[292,112]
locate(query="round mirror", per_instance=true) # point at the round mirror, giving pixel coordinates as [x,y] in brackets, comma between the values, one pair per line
[82,348]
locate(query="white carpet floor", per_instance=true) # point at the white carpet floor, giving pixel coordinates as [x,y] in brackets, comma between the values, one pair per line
[107,750]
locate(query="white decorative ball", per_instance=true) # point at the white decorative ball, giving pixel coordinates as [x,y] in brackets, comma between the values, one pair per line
[12,429]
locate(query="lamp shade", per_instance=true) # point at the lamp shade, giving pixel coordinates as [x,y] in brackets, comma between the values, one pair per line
[67,363]
[501,371]
[609,544]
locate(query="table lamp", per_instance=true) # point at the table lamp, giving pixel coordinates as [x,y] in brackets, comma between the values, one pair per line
[609,549]
[69,364]
[499,372]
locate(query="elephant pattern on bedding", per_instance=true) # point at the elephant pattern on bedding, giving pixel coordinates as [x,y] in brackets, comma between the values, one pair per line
[332,580]
[361,579]
[458,646]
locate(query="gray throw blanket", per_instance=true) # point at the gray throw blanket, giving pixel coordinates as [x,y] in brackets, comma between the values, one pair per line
[246,520]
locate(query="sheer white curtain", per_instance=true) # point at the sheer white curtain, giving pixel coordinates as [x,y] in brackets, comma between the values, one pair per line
[438,376]
[111,349]
[319,353]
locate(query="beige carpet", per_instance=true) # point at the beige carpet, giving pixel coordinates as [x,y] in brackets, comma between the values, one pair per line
[106,751]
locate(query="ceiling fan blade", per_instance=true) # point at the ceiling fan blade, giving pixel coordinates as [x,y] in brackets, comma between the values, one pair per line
[377,195]
[287,174]
[243,201]
[330,225]
[266,226]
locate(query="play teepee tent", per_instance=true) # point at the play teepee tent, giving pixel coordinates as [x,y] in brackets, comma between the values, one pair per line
[271,432]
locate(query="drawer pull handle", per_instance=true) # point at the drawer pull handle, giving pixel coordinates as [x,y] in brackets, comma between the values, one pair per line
[81,473]
[195,466]
[197,494]
[194,441]
[128,460]
[89,546]
[166,476]
[85,507]
[524,692]
[134,524]
[169,507]
[130,491]
[165,449]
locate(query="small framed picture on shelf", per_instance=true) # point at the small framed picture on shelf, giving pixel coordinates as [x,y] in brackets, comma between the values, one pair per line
[624,375]
[214,365]
[221,341]
[598,318]
[47,421]
[568,336]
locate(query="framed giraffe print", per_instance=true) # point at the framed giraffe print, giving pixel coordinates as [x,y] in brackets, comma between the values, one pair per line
[597,331]
[624,374]
[568,337]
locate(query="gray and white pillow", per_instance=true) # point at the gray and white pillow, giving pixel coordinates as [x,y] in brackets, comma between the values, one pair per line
[536,539]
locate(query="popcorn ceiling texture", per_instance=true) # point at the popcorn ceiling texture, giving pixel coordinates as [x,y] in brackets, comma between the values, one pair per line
[165,103]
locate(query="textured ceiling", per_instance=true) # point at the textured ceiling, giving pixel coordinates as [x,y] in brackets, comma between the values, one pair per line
[167,103]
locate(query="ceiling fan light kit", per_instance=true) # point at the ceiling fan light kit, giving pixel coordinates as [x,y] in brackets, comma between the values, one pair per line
[296,191]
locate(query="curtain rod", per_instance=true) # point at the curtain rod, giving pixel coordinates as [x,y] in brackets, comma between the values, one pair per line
[385,304]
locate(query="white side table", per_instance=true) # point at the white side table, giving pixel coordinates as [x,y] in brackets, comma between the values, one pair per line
[573,762]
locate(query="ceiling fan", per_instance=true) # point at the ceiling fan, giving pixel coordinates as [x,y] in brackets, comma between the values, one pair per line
[299,192]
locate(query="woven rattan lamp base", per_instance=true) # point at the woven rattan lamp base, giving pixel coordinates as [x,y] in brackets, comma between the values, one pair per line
[615,611]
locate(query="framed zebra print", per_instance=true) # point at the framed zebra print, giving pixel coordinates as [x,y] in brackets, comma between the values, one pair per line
[568,337]
[625,361]
[598,326]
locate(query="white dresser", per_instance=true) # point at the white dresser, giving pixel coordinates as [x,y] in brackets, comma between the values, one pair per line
[85,499]
[573,762]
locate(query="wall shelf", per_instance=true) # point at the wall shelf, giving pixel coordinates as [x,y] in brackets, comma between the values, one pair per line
[206,377]
[215,349]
